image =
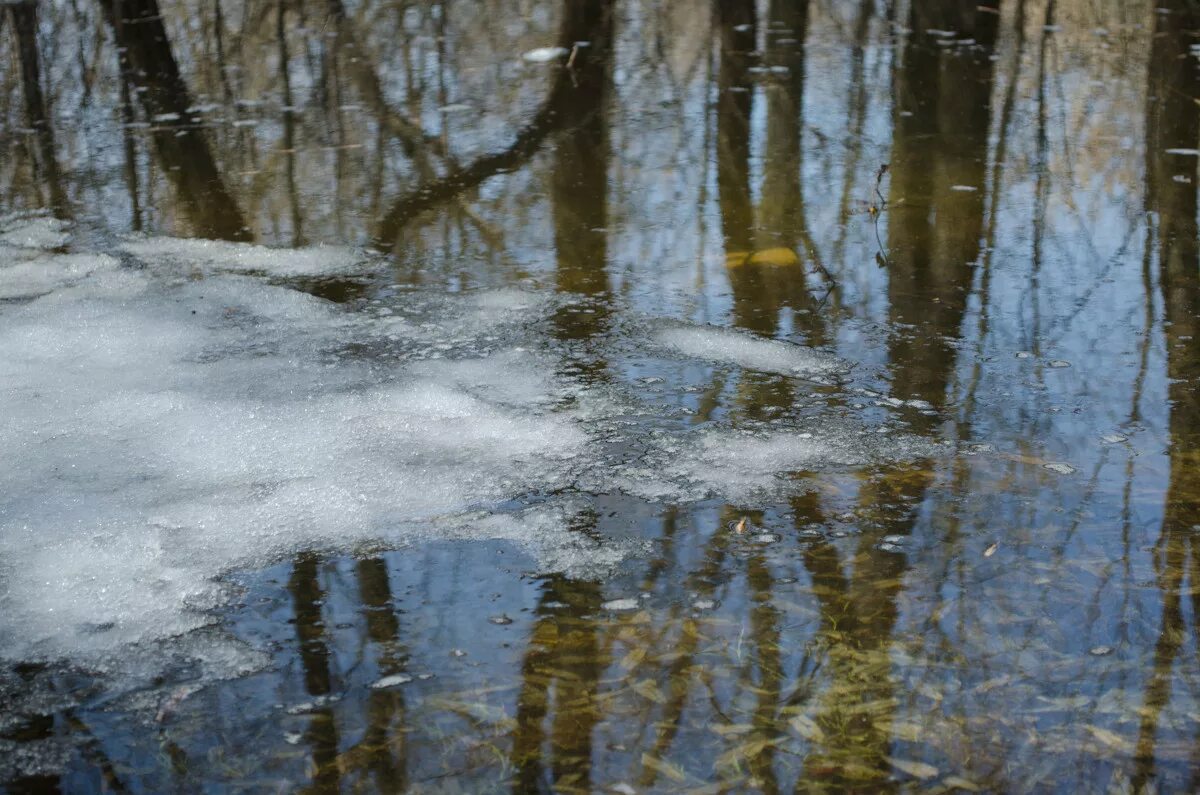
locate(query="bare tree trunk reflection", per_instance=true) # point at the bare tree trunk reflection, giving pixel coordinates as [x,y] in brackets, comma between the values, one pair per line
[935,217]
[322,734]
[579,175]
[24,19]
[560,679]
[180,146]
[1173,122]
[548,118]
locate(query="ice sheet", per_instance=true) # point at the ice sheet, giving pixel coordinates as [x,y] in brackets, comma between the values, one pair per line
[165,425]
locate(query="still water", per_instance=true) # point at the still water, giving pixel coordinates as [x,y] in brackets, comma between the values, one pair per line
[991,210]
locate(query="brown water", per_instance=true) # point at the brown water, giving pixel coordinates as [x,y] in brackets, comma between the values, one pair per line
[993,210]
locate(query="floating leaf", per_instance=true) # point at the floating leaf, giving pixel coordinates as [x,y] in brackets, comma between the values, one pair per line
[648,689]
[807,728]
[663,768]
[915,769]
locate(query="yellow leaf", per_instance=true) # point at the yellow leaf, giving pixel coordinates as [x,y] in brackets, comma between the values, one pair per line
[779,255]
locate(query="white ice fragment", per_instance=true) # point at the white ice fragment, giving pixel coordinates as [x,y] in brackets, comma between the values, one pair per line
[728,346]
[1024,355]
[1186,152]
[620,604]
[964,188]
[544,54]
[33,231]
[1058,363]
[244,257]
[391,681]
[40,274]
[1113,438]
[704,604]
[1059,467]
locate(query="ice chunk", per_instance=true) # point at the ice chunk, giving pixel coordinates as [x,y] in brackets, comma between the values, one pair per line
[727,346]
[544,54]
[223,255]
[33,276]
[36,231]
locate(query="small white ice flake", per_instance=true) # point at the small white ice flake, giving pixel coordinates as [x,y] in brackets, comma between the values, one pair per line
[1186,152]
[391,681]
[544,54]
[620,604]
[964,188]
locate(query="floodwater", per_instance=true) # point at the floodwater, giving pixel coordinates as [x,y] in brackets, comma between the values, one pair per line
[990,210]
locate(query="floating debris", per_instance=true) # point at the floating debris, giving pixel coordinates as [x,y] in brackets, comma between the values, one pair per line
[991,550]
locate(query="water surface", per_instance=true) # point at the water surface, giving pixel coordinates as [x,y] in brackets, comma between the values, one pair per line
[989,212]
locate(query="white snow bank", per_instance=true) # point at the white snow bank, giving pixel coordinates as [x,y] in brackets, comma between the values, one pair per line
[726,346]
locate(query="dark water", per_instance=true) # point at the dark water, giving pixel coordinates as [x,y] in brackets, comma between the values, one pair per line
[996,208]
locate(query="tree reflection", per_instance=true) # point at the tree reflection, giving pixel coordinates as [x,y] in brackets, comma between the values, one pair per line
[322,733]
[180,146]
[23,16]
[1173,122]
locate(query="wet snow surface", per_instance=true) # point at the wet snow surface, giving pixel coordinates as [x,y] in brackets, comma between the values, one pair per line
[168,419]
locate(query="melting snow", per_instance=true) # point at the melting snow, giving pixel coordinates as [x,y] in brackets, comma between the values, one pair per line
[168,424]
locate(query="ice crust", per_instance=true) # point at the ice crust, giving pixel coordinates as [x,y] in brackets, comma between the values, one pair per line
[167,421]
